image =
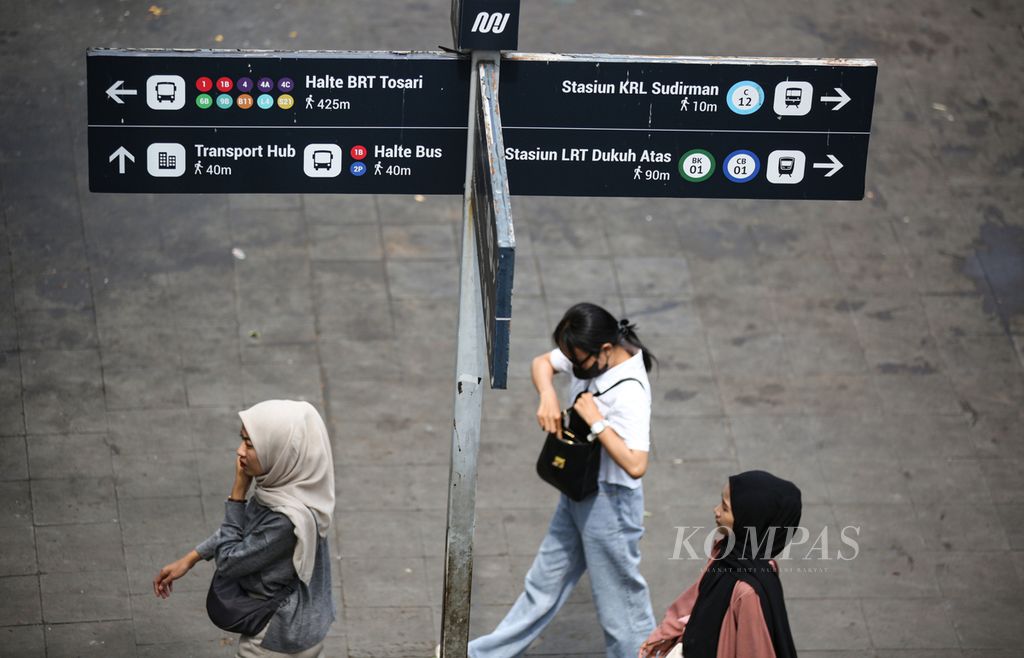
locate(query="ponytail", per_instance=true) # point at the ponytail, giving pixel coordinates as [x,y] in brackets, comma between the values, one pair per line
[588,326]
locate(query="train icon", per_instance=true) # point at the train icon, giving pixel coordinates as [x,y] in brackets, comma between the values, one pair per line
[786,164]
[794,96]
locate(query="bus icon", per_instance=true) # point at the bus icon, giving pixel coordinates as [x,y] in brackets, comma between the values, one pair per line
[321,160]
[165,92]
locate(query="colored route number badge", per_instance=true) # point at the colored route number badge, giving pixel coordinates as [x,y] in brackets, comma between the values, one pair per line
[696,166]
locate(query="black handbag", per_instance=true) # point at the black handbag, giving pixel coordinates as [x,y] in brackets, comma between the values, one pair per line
[571,463]
[231,609]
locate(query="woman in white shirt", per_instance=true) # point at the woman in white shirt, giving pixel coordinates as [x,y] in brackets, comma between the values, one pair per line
[601,533]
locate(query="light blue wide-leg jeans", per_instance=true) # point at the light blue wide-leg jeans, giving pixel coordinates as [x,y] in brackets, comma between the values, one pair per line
[600,534]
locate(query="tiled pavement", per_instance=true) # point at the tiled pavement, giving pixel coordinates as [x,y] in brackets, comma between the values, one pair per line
[871,351]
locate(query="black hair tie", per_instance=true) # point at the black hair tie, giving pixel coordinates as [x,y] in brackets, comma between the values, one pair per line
[624,327]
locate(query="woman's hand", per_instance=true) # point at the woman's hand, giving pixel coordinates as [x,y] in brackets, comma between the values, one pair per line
[163,584]
[658,648]
[549,414]
[587,408]
[242,481]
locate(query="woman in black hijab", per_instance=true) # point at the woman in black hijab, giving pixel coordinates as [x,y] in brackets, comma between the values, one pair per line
[737,609]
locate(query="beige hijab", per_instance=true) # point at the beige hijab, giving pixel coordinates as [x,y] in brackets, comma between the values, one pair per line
[298,481]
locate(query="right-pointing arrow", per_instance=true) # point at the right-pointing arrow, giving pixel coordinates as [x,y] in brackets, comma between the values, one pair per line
[121,154]
[842,99]
[833,166]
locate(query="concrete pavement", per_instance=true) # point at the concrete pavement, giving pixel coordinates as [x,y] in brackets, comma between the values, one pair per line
[871,351]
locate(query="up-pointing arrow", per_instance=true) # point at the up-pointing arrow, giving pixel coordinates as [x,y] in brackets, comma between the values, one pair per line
[121,154]
[833,166]
[115,91]
[840,100]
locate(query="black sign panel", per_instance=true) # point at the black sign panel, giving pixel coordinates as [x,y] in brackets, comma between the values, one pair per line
[603,125]
[170,121]
[580,125]
[492,220]
[485,24]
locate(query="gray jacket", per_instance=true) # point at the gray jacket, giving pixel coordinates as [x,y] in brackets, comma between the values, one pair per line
[255,545]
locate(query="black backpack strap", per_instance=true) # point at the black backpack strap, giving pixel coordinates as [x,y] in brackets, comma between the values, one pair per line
[621,381]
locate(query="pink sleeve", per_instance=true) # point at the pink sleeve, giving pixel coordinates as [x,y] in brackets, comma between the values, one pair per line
[744,631]
[676,616]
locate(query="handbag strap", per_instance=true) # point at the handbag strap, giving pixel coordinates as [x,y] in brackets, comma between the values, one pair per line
[621,381]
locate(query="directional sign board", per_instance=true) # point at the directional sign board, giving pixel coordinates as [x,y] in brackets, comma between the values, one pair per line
[605,125]
[226,121]
[492,219]
[394,123]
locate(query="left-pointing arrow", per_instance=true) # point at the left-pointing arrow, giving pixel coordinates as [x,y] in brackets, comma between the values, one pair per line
[115,91]
[121,154]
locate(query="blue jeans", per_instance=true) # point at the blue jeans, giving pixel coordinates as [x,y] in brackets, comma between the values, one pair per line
[601,535]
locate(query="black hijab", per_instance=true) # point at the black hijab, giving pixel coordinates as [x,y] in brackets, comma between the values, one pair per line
[761,504]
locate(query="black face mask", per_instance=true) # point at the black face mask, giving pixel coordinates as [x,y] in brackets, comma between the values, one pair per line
[593,371]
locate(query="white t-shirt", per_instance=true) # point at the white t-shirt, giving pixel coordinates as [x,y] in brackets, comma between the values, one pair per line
[626,408]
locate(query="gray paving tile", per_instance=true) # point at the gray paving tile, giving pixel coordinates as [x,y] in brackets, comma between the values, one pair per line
[54,290]
[368,488]
[108,639]
[88,596]
[69,455]
[13,458]
[334,209]
[12,419]
[19,602]
[271,382]
[384,582]
[279,316]
[17,504]
[74,500]
[418,209]
[25,640]
[371,635]
[949,525]
[56,329]
[162,520]
[79,548]
[694,438]
[63,391]
[977,625]
[581,278]
[148,387]
[824,624]
[378,533]
[153,475]
[910,624]
[18,551]
[345,242]
[174,621]
[421,241]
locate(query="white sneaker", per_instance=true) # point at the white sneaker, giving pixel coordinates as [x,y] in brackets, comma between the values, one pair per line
[437,651]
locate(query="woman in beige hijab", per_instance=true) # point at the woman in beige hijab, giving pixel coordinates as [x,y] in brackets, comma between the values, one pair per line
[278,538]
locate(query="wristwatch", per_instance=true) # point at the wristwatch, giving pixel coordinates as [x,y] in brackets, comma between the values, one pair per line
[595,429]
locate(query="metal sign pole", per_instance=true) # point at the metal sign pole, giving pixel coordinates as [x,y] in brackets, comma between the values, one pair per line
[469,372]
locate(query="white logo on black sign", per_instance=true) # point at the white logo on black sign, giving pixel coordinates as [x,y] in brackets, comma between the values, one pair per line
[487,22]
